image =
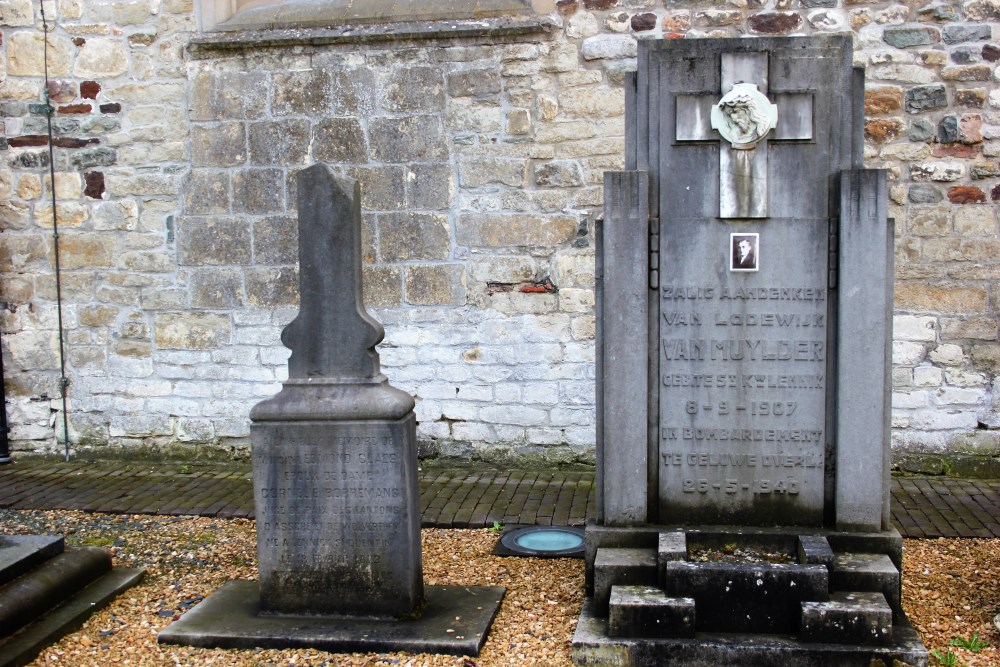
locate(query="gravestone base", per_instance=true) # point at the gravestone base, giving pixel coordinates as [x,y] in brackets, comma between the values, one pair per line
[455,621]
[751,596]
[593,647]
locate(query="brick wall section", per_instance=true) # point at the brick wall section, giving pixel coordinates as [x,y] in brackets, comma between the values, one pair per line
[481,162]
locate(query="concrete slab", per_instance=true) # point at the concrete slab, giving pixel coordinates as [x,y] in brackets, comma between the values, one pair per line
[20,553]
[22,647]
[455,622]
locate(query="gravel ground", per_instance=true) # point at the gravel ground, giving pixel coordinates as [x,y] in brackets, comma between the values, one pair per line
[951,589]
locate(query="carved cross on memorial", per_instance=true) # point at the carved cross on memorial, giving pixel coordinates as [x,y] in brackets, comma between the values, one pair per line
[744,119]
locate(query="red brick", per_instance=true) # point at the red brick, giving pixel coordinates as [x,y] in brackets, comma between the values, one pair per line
[90,90]
[966,194]
[75,109]
[956,150]
[28,140]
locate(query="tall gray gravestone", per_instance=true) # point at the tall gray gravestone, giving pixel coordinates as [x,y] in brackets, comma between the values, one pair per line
[744,332]
[335,479]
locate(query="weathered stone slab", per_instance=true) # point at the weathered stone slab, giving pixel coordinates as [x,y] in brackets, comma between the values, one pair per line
[19,553]
[644,611]
[622,362]
[848,618]
[864,352]
[455,621]
[622,566]
[867,572]
[747,597]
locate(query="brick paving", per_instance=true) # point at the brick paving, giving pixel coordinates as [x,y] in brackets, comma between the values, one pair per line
[923,507]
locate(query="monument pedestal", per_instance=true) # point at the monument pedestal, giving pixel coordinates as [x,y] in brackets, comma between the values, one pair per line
[749,596]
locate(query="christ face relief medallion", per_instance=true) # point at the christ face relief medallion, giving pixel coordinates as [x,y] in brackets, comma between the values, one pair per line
[744,116]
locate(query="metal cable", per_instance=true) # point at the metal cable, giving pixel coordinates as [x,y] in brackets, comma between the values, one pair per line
[49,109]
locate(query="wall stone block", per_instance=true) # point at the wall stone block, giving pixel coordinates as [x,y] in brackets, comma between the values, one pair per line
[207,192]
[929,221]
[82,250]
[272,287]
[465,115]
[101,58]
[937,171]
[339,140]
[558,174]
[924,193]
[413,236]
[409,138]
[382,188]
[941,298]
[258,191]
[213,241]
[609,47]
[476,173]
[908,36]
[25,51]
[216,288]
[276,240]
[429,186]
[382,286]
[473,83]
[974,328]
[228,95]
[982,10]
[221,145]
[192,330]
[967,73]
[775,23]
[433,285]
[975,221]
[502,230]
[925,98]
[281,142]
[414,89]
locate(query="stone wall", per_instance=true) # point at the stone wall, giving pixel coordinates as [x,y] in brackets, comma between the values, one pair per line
[481,159]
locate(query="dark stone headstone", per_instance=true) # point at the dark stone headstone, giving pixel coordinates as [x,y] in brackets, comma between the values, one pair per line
[335,479]
[335,487]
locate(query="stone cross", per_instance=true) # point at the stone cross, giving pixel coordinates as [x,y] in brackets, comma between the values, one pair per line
[743,168]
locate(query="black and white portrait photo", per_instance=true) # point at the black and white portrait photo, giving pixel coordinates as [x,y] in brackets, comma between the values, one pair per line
[744,252]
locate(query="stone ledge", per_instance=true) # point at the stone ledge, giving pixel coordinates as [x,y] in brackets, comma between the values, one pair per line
[367,33]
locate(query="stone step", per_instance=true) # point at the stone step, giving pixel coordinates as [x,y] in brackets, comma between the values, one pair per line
[645,611]
[32,594]
[747,597]
[867,572]
[620,566]
[863,618]
[20,553]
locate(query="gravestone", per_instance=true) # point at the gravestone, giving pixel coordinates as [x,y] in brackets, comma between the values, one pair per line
[335,479]
[744,332]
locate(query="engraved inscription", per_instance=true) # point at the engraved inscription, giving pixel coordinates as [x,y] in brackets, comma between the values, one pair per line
[743,379]
[329,505]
